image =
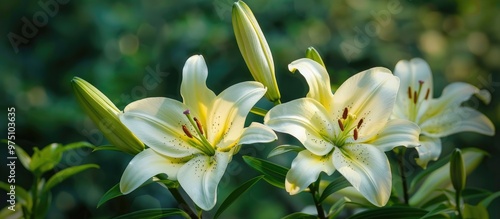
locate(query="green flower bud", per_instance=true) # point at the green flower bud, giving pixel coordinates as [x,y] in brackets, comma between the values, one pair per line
[312,53]
[253,46]
[104,114]
[457,170]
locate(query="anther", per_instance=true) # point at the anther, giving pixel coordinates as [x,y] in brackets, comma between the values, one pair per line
[415,97]
[360,123]
[409,92]
[199,125]
[355,134]
[427,93]
[186,131]
[341,125]
[344,115]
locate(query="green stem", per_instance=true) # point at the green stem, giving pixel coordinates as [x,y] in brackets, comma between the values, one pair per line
[177,195]
[315,194]
[401,156]
[457,200]
[35,197]
[258,111]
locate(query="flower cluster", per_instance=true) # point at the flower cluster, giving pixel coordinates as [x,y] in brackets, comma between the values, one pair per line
[348,130]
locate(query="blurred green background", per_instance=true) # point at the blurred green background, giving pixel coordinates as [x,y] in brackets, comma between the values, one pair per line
[115,44]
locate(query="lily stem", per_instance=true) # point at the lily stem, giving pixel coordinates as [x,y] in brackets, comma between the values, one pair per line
[34,209]
[314,189]
[457,200]
[401,162]
[183,204]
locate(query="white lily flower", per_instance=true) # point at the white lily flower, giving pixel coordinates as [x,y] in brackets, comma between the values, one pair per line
[347,131]
[193,141]
[437,117]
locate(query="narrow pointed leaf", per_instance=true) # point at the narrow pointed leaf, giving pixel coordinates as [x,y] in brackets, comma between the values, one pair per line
[439,211]
[430,168]
[21,194]
[283,149]
[299,215]
[313,54]
[235,194]
[106,148]
[485,202]
[23,157]
[64,174]
[115,190]
[76,145]
[154,213]
[333,187]
[273,173]
[336,208]
[393,212]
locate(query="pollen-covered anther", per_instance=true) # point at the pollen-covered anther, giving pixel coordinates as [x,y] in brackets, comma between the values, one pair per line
[360,123]
[341,125]
[409,92]
[198,123]
[345,113]
[415,97]
[427,93]
[186,131]
[355,134]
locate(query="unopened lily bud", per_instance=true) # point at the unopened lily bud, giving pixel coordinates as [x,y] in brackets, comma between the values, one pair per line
[313,54]
[457,170]
[104,114]
[254,49]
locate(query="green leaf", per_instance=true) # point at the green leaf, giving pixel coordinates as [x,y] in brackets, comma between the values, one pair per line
[336,208]
[430,169]
[487,201]
[76,145]
[154,213]
[115,190]
[235,194]
[313,54]
[106,148]
[299,215]
[273,173]
[467,194]
[283,149]
[439,211]
[45,201]
[477,211]
[22,195]
[45,159]
[440,178]
[23,157]
[336,185]
[393,212]
[64,174]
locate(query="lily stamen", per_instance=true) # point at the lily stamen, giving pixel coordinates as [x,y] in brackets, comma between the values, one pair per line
[186,131]
[344,115]
[200,128]
[409,92]
[355,134]
[341,125]
[427,93]
[360,123]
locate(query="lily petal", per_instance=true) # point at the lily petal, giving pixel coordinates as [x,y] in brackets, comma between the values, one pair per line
[194,90]
[453,95]
[201,176]
[305,169]
[410,73]
[367,169]
[429,149]
[371,95]
[227,117]
[158,123]
[305,119]
[145,165]
[458,119]
[397,132]
[257,133]
[317,78]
